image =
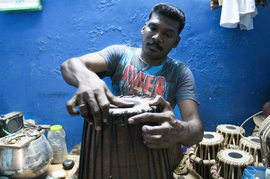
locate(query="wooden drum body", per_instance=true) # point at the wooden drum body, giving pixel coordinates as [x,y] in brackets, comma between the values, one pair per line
[207,150]
[231,163]
[231,133]
[252,145]
[117,151]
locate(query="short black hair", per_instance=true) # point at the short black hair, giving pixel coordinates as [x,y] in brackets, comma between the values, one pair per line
[171,12]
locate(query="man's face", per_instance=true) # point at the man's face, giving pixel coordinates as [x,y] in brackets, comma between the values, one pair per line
[160,35]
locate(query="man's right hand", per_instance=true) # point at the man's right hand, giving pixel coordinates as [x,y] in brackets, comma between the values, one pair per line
[94,99]
[92,96]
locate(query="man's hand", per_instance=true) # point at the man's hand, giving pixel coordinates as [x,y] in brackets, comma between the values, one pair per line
[94,99]
[166,129]
[92,96]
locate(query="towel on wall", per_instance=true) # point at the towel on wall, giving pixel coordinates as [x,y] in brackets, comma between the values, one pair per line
[236,12]
[216,4]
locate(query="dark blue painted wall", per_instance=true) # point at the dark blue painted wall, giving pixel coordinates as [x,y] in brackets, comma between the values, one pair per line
[231,67]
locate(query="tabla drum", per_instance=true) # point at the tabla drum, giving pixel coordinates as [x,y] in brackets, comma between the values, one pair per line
[252,145]
[207,150]
[118,151]
[231,163]
[231,133]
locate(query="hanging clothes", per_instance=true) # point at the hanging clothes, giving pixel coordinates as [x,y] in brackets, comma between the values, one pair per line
[238,12]
[216,4]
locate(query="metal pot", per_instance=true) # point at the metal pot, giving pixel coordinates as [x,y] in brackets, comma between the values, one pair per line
[28,162]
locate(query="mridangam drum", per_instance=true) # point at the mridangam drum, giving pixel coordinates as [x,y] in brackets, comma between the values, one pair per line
[118,150]
[252,145]
[207,150]
[231,133]
[230,163]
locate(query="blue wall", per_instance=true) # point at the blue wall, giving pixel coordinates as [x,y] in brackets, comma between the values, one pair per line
[231,67]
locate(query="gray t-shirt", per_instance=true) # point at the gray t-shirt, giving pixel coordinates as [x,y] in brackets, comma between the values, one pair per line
[132,76]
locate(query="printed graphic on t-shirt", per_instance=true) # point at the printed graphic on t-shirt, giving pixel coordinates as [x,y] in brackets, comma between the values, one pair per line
[141,84]
[133,76]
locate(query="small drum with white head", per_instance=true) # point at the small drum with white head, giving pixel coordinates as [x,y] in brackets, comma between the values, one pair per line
[231,133]
[207,150]
[252,145]
[230,163]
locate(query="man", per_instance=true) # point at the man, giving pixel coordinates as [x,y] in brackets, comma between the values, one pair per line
[266,110]
[146,71]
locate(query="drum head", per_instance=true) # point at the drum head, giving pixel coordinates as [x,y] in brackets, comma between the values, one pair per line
[212,138]
[236,156]
[230,128]
[141,105]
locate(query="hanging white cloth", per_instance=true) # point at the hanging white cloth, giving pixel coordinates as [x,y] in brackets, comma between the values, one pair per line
[236,12]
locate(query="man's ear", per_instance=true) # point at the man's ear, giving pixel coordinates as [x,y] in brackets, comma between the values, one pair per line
[176,41]
[143,28]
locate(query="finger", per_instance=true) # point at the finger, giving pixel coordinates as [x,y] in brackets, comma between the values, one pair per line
[120,102]
[70,105]
[104,106]
[86,113]
[84,107]
[90,119]
[159,100]
[156,141]
[96,113]
[156,130]
[148,118]
[90,110]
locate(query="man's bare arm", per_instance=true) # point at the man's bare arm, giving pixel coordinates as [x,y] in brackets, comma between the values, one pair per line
[92,96]
[194,130]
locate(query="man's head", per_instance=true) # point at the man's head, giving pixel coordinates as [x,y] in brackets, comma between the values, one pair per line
[172,12]
[161,33]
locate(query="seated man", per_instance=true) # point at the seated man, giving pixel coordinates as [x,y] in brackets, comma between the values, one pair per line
[146,71]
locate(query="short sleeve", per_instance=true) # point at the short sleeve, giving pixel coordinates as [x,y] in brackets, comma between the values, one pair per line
[112,55]
[186,88]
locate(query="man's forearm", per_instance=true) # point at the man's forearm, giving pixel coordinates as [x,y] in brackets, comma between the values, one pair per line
[192,133]
[74,71]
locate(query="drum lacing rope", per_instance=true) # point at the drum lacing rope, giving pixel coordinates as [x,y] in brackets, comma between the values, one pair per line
[100,135]
[185,167]
[214,172]
[245,122]
[116,148]
[94,155]
[135,151]
[82,153]
[127,144]
[110,145]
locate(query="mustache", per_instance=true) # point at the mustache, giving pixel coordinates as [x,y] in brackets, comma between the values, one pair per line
[154,43]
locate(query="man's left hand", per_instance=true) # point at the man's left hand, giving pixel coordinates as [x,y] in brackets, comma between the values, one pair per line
[166,129]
